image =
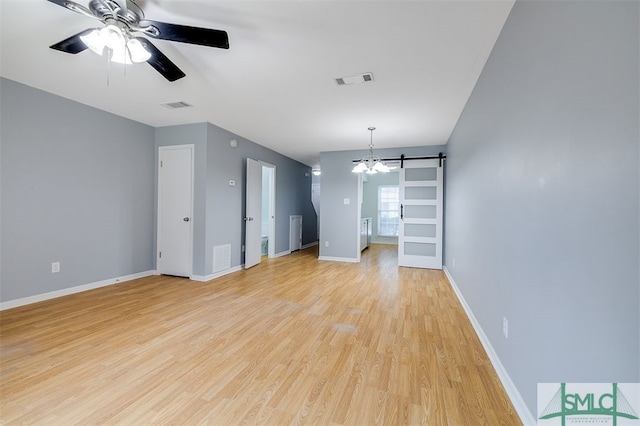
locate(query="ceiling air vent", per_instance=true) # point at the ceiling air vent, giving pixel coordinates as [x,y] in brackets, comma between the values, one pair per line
[176,105]
[354,79]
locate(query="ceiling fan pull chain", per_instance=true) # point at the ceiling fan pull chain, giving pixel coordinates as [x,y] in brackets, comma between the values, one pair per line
[108,67]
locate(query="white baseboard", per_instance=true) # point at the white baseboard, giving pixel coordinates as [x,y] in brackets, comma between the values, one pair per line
[71,290]
[204,278]
[306,246]
[339,259]
[512,392]
[282,253]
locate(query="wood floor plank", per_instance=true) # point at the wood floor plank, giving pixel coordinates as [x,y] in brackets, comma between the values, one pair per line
[294,340]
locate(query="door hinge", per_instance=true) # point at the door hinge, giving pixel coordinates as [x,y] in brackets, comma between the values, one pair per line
[160,254]
[161,163]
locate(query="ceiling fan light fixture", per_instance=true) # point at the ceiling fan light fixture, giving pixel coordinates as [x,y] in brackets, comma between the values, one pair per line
[120,55]
[94,41]
[113,37]
[137,52]
[123,21]
[124,50]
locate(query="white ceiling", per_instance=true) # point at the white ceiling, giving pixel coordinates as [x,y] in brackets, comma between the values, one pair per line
[275,84]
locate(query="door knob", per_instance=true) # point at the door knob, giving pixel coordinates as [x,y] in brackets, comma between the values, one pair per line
[186,219]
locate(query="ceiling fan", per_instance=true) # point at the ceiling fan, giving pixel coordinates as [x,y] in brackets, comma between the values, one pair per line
[123,24]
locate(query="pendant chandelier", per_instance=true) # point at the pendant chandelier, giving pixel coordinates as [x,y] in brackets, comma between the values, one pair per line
[371,164]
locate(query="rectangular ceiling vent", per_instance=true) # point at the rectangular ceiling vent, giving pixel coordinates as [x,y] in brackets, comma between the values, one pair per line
[354,79]
[176,105]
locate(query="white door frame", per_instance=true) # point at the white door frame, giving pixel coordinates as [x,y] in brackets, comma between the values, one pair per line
[253,214]
[359,215]
[159,237]
[272,210]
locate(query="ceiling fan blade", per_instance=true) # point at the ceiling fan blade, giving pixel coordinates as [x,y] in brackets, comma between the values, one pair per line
[62,3]
[160,62]
[72,44]
[75,7]
[186,34]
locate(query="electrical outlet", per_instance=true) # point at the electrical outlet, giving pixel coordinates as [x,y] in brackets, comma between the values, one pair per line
[454,262]
[55,267]
[505,327]
[326,243]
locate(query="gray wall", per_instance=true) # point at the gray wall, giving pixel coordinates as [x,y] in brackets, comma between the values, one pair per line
[77,187]
[542,213]
[190,134]
[339,222]
[226,204]
[219,209]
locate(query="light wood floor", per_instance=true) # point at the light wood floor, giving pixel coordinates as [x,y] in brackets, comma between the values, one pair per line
[293,340]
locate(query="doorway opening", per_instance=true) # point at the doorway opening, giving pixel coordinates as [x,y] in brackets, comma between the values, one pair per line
[380,208]
[260,212]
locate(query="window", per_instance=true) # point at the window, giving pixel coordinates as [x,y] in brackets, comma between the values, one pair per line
[388,210]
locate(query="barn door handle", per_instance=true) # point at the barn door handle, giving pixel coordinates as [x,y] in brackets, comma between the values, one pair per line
[401,212]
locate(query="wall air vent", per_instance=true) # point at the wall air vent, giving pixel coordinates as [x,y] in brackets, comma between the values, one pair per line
[221,257]
[176,105]
[354,79]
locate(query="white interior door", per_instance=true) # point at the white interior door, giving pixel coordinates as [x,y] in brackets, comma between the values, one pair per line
[421,197]
[175,206]
[295,233]
[253,216]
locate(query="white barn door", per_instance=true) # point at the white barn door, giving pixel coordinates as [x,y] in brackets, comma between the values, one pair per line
[421,200]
